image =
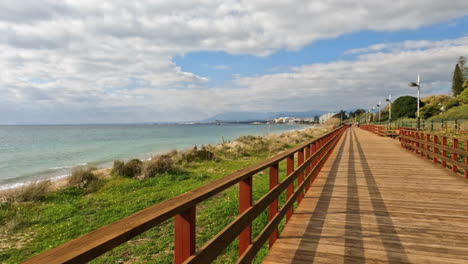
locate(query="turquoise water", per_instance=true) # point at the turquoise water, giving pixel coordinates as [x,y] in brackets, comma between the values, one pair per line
[48,151]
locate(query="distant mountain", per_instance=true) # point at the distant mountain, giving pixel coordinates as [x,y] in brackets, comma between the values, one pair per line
[259,116]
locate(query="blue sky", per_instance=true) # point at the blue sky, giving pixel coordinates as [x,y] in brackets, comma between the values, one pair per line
[159,61]
[221,67]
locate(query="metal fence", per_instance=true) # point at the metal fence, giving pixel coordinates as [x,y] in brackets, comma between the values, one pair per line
[429,125]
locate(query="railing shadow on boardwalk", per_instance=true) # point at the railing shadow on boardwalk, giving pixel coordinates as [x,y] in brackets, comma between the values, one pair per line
[394,249]
[354,249]
[317,219]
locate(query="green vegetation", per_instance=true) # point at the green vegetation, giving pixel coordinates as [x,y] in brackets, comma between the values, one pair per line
[440,106]
[459,112]
[83,177]
[28,228]
[457,81]
[405,106]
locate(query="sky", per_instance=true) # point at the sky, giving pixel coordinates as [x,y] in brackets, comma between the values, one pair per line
[160,61]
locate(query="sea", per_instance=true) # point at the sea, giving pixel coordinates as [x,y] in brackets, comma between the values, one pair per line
[39,152]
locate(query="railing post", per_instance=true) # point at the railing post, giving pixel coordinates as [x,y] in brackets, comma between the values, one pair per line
[428,140]
[273,210]
[184,235]
[444,152]
[314,149]
[307,170]
[454,155]
[421,145]
[300,178]
[466,159]
[245,201]
[435,149]
[290,188]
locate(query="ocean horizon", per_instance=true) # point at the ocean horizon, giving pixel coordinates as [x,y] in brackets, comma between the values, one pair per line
[41,152]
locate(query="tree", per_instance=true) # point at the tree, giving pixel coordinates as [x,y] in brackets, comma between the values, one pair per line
[356,113]
[341,114]
[429,110]
[463,68]
[405,106]
[457,81]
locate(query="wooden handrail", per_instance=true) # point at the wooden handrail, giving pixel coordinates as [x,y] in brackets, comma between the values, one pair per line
[376,129]
[182,208]
[427,145]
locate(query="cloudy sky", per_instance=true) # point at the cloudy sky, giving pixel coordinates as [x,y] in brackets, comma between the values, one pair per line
[113,61]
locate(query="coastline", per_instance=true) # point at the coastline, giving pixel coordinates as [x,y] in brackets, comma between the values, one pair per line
[61,181]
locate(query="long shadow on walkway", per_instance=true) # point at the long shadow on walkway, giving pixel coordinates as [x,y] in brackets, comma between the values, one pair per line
[317,219]
[392,244]
[354,246]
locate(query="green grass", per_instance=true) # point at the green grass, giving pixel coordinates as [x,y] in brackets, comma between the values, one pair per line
[34,227]
[459,112]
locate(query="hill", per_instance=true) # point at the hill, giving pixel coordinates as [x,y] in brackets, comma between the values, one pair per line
[261,116]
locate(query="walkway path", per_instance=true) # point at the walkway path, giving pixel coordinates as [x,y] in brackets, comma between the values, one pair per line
[375,202]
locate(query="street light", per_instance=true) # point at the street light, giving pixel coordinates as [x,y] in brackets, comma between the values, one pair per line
[389,99]
[417,84]
[378,105]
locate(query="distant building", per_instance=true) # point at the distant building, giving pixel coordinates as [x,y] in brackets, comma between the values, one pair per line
[325,117]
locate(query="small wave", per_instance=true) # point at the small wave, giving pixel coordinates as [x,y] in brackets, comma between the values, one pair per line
[67,167]
[15,185]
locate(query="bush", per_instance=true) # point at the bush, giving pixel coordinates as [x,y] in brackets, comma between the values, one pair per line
[429,110]
[451,102]
[130,169]
[118,168]
[463,96]
[198,155]
[30,193]
[405,106]
[133,168]
[83,177]
[334,122]
[157,165]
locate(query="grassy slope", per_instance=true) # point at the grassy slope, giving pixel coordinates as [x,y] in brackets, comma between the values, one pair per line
[459,112]
[31,228]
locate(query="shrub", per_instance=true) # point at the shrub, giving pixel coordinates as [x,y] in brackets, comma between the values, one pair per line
[451,102]
[334,122]
[118,168]
[429,110]
[83,177]
[158,164]
[405,106]
[463,96]
[131,169]
[198,155]
[30,193]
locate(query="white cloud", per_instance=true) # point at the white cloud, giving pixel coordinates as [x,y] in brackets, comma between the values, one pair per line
[88,55]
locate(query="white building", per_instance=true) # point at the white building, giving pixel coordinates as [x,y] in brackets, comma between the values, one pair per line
[325,117]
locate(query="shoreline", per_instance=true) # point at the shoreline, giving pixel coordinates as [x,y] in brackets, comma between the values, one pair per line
[61,181]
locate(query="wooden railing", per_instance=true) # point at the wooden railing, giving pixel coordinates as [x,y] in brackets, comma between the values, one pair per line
[376,129]
[440,149]
[311,156]
[381,130]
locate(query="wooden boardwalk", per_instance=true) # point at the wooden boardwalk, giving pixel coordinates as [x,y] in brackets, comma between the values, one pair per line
[375,202]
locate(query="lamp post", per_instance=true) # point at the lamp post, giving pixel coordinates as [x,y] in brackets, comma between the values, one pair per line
[378,105]
[372,115]
[417,84]
[389,100]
